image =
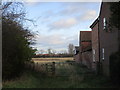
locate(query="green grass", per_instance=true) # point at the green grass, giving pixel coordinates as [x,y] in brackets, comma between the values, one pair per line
[77,77]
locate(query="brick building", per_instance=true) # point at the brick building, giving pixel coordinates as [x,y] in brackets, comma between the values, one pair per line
[85,48]
[104,39]
[95,44]
[108,38]
[76,54]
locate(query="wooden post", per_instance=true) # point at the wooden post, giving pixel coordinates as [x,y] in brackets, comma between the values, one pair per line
[33,66]
[36,66]
[46,68]
[53,68]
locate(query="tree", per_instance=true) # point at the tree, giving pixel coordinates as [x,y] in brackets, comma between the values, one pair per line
[16,42]
[115,15]
[49,51]
[53,51]
[63,52]
[115,57]
[71,49]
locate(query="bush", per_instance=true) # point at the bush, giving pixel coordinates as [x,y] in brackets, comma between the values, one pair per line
[115,67]
[15,48]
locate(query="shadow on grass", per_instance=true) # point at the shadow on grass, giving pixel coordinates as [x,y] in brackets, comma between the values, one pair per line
[69,76]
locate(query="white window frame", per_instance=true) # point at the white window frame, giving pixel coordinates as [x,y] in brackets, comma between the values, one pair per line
[93,55]
[103,53]
[104,24]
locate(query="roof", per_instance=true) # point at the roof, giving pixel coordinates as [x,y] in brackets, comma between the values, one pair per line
[86,46]
[94,23]
[85,35]
[101,8]
[77,48]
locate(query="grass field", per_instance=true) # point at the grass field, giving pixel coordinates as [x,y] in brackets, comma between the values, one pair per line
[35,80]
[46,60]
[77,77]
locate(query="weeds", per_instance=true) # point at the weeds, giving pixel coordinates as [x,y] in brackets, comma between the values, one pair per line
[67,76]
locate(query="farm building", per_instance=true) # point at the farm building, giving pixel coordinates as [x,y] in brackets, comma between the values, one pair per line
[95,45]
[104,39]
[76,54]
[85,48]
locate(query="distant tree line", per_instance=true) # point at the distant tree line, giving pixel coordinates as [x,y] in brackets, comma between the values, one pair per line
[16,40]
[52,55]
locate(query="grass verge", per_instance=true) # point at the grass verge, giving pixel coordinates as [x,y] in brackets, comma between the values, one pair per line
[81,78]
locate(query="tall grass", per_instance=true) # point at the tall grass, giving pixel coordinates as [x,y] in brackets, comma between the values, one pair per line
[67,76]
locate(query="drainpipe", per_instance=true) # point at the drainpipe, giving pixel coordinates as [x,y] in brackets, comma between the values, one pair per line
[99,63]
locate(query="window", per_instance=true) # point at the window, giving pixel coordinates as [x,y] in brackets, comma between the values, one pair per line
[93,55]
[104,24]
[103,51]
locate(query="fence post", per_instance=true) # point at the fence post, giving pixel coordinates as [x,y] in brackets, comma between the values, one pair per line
[33,66]
[53,68]
[46,68]
[36,66]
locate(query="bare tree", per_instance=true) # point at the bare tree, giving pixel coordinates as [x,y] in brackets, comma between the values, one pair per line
[49,51]
[63,52]
[14,11]
[71,49]
[53,51]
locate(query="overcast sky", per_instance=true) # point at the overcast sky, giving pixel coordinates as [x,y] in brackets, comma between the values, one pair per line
[59,24]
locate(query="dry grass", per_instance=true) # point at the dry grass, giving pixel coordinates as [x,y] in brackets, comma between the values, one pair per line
[77,78]
[47,60]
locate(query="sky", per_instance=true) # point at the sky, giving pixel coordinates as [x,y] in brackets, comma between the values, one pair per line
[59,23]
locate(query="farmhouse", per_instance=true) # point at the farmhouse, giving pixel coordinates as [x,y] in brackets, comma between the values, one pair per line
[95,45]
[104,39]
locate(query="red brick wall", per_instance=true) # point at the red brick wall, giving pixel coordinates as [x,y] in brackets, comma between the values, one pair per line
[95,46]
[77,58]
[95,42]
[87,59]
[108,40]
[84,45]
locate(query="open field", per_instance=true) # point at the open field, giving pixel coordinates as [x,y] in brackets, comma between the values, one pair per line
[47,60]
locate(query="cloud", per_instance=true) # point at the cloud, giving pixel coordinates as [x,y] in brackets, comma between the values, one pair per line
[68,15]
[31,0]
[55,41]
[72,21]
[89,15]
[50,39]
[68,18]
[63,23]
[32,3]
[72,8]
[76,7]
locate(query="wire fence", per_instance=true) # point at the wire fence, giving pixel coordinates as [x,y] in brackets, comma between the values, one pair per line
[54,68]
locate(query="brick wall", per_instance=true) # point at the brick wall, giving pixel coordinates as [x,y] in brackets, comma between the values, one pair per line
[77,58]
[87,59]
[108,40]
